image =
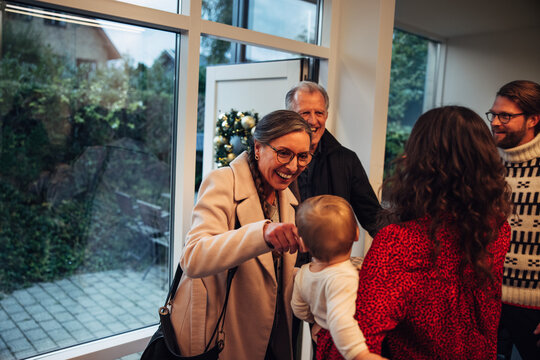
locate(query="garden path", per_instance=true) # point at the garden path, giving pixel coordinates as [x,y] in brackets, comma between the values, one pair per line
[77,309]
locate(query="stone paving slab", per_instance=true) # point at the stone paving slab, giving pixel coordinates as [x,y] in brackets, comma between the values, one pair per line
[86,307]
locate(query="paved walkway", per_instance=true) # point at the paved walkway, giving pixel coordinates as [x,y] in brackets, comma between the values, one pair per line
[51,316]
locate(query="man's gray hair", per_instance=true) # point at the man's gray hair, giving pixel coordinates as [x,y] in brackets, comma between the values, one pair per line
[309,87]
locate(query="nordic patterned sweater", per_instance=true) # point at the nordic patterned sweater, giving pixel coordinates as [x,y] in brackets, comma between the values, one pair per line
[521,278]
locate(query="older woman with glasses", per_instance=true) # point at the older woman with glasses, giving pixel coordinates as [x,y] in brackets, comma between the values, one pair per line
[244,218]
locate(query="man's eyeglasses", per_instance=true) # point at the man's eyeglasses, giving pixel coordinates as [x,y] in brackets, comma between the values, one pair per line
[285,156]
[503,117]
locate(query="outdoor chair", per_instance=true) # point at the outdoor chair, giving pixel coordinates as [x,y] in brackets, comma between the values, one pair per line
[156,226]
[132,220]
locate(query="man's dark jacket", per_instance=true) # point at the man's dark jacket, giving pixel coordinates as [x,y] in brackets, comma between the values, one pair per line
[337,170]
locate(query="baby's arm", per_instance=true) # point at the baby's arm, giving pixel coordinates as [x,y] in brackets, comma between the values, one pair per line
[341,292]
[299,306]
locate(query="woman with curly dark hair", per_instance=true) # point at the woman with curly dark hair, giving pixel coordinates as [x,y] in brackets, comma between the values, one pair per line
[430,285]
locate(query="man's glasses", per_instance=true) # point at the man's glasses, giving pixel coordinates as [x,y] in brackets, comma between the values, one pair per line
[503,117]
[285,156]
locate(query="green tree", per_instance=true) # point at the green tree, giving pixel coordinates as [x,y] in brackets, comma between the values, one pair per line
[407,74]
[407,83]
[56,117]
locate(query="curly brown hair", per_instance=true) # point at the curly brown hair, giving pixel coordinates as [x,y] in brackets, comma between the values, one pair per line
[451,169]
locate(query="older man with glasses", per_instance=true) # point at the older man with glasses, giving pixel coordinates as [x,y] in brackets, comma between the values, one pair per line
[515,123]
[334,169]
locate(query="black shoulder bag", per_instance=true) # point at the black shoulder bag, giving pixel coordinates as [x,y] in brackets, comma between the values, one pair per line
[163,344]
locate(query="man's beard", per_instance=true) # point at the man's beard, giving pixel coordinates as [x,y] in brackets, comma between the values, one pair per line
[511,139]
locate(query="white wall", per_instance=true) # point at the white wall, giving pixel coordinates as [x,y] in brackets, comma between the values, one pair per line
[359,82]
[477,66]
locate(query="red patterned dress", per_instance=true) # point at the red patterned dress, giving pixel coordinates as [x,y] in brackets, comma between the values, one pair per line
[425,308]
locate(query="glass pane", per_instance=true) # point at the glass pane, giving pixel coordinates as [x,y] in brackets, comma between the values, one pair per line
[267,16]
[411,81]
[165,5]
[86,116]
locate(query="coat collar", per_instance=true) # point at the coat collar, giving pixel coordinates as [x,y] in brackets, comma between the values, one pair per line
[328,142]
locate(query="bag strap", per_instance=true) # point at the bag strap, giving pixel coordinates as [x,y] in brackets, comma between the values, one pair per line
[221,319]
[165,316]
[174,285]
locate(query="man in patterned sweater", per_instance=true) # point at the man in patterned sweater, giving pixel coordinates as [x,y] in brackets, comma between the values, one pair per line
[515,123]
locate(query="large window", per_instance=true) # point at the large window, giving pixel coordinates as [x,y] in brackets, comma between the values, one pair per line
[86,116]
[96,136]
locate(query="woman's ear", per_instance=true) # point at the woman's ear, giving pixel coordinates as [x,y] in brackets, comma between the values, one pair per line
[256,147]
[357,233]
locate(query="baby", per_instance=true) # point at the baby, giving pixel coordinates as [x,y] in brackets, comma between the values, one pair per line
[325,289]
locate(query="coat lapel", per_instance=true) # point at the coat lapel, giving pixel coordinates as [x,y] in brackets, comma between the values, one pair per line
[249,211]
[249,208]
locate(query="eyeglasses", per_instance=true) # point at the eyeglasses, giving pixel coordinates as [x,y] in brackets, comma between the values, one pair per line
[285,156]
[503,117]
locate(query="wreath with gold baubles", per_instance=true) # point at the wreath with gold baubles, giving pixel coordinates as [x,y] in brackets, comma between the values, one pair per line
[233,131]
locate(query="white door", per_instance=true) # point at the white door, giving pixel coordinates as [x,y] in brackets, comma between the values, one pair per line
[255,87]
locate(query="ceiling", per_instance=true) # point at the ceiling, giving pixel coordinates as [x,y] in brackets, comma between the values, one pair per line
[444,19]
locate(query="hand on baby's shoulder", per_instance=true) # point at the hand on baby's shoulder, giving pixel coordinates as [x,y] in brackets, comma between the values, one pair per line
[357,261]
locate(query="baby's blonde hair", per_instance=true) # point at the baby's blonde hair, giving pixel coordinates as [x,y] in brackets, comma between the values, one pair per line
[327,225]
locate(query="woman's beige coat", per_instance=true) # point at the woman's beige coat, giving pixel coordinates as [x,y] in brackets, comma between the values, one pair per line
[215,244]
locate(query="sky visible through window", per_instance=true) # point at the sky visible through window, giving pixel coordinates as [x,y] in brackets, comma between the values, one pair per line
[144,46]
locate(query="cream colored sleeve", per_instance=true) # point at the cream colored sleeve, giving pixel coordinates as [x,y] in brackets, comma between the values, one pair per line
[341,306]
[213,244]
[299,306]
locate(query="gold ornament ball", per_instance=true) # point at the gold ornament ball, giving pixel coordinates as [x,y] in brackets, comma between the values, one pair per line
[225,124]
[230,156]
[219,140]
[248,122]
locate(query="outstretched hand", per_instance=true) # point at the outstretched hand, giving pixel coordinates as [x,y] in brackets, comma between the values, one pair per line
[283,237]
[366,355]
[537,332]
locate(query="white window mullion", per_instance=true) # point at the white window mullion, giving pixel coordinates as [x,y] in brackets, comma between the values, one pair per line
[186,135]
[112,347]
[250,37]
